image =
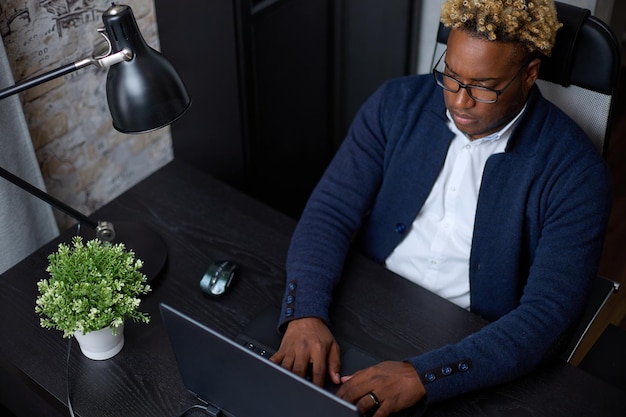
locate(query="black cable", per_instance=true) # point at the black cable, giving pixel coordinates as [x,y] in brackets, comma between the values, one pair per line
[67,368]
[205,408]
[210,411]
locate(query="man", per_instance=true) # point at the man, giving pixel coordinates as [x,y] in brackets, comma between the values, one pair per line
[470,184]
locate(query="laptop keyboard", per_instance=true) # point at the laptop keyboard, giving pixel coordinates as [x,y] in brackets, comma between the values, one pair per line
[353,359]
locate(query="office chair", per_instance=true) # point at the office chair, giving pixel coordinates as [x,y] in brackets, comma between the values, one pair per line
[601,291]
[607,359]
[581,76]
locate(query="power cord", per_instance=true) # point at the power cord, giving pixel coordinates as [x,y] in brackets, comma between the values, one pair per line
[208,409]
[67,368]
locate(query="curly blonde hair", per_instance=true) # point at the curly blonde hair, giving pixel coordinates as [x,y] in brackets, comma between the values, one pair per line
[531,23]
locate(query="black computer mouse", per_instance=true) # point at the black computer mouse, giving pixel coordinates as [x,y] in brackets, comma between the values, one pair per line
[218,277]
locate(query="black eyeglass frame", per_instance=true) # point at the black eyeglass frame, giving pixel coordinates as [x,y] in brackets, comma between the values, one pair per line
[468,87]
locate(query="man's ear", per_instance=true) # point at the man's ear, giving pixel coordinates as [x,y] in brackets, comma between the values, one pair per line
[532,72]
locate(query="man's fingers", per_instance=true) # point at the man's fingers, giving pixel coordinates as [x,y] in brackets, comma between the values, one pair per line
[308,349]
[318,373]
[334,363]
[277,357]
[301,366]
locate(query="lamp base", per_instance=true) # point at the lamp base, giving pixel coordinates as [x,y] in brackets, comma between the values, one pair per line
[148,245]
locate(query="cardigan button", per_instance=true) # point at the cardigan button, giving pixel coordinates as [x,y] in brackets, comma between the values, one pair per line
[289,312]
[400,228]
[292,286]
[446,370]
[463,366]
[430,376]
[290,299]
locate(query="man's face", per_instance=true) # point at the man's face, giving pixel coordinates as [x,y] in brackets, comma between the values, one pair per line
[476,61]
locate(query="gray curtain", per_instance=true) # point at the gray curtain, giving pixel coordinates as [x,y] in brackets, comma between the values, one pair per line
[26,222]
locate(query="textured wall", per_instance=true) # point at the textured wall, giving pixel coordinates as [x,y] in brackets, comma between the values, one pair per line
[84,161]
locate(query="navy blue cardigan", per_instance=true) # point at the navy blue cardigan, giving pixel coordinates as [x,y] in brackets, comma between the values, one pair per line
[542,211]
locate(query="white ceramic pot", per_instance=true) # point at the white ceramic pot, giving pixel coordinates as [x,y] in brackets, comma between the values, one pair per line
[101,344]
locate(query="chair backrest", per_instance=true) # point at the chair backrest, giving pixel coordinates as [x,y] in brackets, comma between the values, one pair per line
[581,76]
[602,290]
[606,359]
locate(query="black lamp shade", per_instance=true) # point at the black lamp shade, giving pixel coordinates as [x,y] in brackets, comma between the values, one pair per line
[145,93]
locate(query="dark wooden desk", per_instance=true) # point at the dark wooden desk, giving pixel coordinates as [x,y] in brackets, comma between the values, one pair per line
[202,220]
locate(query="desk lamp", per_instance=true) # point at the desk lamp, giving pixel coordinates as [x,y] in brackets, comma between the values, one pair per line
[144,93]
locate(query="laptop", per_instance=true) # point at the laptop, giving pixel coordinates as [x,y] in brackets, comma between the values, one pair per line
[261,337]
[236,377]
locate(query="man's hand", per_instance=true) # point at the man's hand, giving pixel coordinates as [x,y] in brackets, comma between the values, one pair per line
[309,342]
[394,385]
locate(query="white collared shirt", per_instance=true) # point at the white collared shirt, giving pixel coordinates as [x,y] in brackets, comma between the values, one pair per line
[435,253]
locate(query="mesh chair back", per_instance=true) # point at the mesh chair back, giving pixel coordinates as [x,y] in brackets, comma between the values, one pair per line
[581,76]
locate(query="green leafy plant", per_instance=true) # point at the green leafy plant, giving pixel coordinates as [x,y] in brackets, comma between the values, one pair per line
[92,285]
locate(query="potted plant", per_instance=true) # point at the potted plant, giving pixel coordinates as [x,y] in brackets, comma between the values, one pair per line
[92,289]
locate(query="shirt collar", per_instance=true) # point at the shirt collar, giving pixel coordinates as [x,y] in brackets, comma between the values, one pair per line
[503,133]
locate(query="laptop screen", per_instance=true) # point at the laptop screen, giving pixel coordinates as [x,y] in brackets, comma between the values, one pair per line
[241,383]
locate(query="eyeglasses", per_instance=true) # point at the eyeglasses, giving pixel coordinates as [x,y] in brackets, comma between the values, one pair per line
[476,92]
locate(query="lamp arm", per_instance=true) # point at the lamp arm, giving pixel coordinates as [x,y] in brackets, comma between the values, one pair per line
[26,186]
[105,231]
[25,85]
[102,62]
